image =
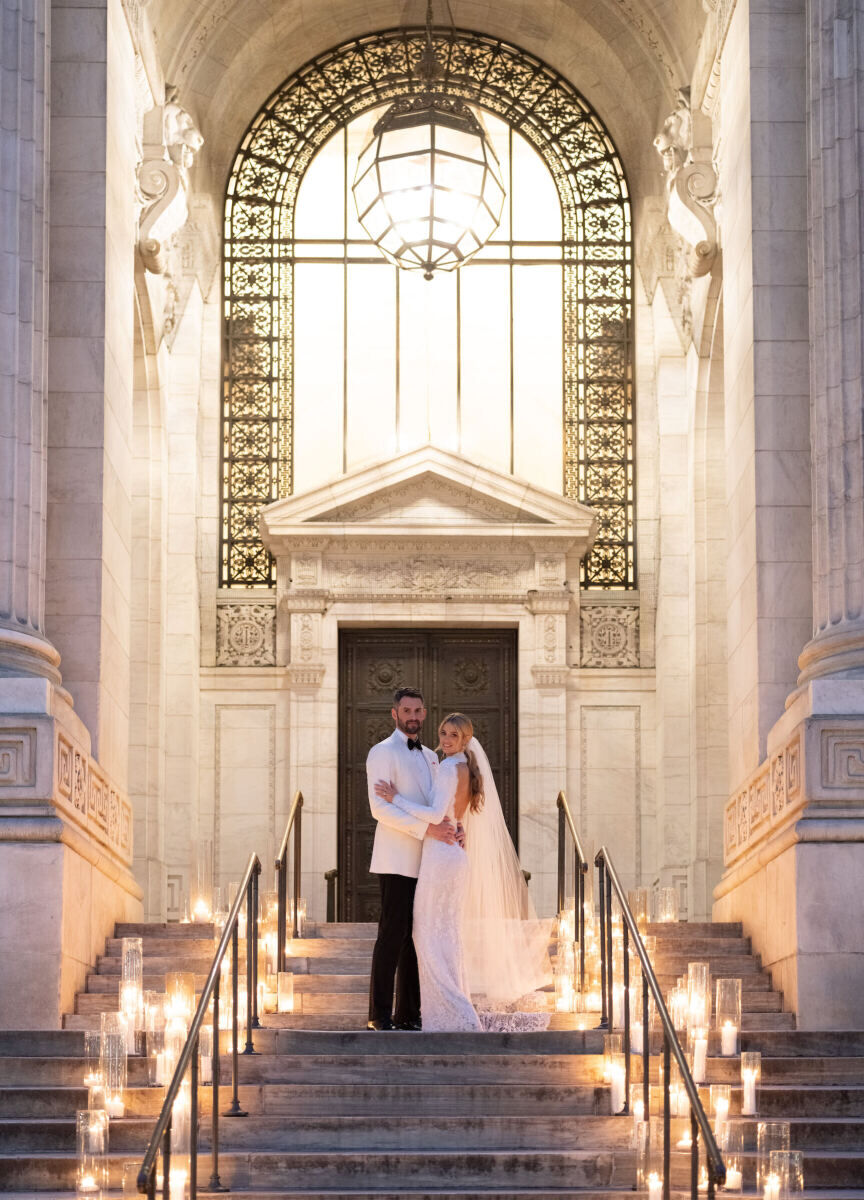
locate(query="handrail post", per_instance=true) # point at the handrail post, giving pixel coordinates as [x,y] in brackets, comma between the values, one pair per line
[251,947]
[298,851]
[694,1156]
[626,1019]
[215,1184]
[605,1016]
[235,1109]
[256,1024]
[667,1120]
[646,1050]
[561,856]
[281,904]
[580,899]
[193,1123]
[610,962]
[330,879]
[166,1161]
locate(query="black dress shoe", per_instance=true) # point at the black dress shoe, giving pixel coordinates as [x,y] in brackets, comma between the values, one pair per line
[384,1023]
[410,1026]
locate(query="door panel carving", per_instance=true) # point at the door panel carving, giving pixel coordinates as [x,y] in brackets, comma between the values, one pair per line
[472,671]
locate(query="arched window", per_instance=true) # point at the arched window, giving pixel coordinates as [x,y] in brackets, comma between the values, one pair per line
[335,358]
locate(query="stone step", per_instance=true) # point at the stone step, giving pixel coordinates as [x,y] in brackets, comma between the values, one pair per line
[417,1171]
[308,1099]
[704,929]
[303,983]
[328,1134]
[173,930]
[354,1193]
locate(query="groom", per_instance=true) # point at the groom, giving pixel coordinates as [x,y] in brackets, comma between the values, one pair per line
[410,766]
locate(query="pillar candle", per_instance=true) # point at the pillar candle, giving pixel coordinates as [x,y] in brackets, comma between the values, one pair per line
[700,1059]
[748,1103]
[728,1039]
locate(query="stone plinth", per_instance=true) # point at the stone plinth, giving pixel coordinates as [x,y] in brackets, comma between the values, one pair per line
[65,855]
[794,854]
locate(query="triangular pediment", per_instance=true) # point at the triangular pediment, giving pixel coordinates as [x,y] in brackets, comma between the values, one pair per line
[426,493]
[427,484]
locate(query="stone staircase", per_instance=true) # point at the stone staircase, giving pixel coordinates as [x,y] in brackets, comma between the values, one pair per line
[337,1111]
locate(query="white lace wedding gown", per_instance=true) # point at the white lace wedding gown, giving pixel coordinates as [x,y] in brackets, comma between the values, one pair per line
[439,904]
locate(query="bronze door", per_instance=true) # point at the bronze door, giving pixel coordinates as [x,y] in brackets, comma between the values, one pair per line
[466,670]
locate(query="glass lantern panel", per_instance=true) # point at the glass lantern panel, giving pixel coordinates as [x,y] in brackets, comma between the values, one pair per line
[408,171]
[458,174]
[318,373]
[485,368]
[377,220]
[371,364]
[405,141]
[457,141]
[412,205]
[538,429]
[493,194]
[392,241]
[320,208]
[365,192]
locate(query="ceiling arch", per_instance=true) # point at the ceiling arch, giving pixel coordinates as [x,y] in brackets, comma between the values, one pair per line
[228,56]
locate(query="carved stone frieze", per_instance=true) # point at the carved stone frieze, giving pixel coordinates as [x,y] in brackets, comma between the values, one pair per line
[610,635]
[432,575]
[842,759]
[246,634]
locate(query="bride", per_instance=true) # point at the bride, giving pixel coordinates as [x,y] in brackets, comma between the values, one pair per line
[475,929]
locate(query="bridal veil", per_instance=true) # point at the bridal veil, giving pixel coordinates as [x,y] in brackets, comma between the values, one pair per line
[506,945]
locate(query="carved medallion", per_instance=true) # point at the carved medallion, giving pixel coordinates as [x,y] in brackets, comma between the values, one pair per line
[610,636]
[470,676]
[246,635]
[384,676]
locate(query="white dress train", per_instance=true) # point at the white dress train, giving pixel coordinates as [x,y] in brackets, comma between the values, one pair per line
[439,908]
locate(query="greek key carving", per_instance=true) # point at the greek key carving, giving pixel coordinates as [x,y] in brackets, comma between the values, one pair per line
[245,635]
[17,757]
[610,636]
[842,759]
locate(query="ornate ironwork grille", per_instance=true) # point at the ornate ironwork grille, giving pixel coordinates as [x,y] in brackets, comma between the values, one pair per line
[298,119]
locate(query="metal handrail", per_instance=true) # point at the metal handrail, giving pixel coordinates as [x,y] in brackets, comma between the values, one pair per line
[248,893]
[295,824]
[671,1045]
[580,870]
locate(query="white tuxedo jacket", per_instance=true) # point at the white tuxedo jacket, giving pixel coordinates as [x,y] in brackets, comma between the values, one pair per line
[398,836]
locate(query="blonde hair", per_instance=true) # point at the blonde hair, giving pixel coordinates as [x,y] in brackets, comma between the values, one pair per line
[475,780]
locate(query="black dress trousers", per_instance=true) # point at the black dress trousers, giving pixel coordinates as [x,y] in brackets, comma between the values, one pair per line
[394,960]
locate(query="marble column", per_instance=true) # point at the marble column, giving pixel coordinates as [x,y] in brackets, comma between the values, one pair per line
[24,649]
[836,125]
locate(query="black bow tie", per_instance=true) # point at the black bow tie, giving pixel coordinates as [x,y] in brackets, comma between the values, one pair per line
[415,744]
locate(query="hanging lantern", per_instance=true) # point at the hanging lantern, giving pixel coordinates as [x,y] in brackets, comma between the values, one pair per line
[428,186]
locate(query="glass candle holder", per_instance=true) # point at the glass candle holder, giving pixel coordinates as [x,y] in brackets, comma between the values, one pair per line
[91,1131]
[751,1074]
[728,1015]
[698,995]
[617,1084]
[666,905]
[676,1003]
[698,1040]
[285,992]
[114,1041]
[613,1044]
[637,901]
[92,1057]
[96,1098]
[638,1031]
[637,1106]
[205,1053]
[770,1136]
[201,906]
[787,1167]
[734,1141]
[179,995]
[721,1099]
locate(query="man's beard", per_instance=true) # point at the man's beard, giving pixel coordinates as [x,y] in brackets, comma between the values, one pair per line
[411,726]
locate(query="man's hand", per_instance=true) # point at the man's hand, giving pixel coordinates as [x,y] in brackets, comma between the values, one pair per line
[444,832]
[385,790]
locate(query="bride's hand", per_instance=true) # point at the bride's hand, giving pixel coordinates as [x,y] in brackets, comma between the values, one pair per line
[385,791]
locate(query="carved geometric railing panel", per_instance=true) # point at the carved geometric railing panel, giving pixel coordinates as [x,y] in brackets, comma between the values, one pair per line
[597,383]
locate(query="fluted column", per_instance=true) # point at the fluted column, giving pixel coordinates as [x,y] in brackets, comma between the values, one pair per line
[23,329]
[836,126]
